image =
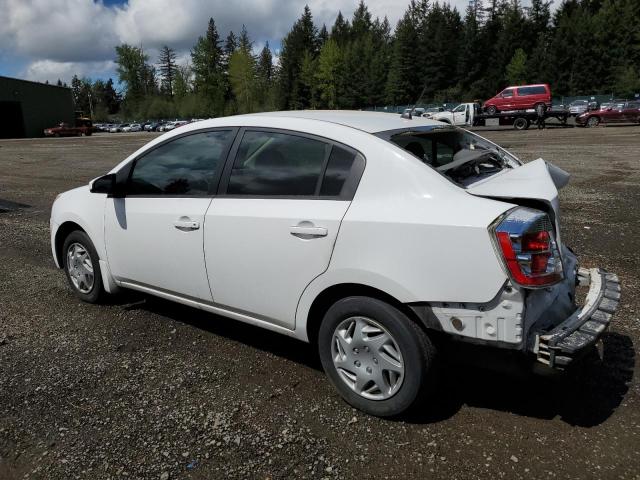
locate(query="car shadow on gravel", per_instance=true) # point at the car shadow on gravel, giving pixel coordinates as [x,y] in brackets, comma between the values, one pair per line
[256,337]
[585,396]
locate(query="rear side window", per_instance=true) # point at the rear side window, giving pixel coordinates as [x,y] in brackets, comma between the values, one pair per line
[184,166]
[524,91]
[338,170]
[277,164]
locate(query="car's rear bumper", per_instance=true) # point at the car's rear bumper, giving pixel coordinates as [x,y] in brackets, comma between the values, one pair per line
[559,346]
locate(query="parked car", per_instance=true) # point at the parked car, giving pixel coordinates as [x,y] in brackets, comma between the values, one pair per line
[135,127]
[578,107]
[172,125]
[522,97]
[82,126]
[377,238]
[627,112]
[166,126]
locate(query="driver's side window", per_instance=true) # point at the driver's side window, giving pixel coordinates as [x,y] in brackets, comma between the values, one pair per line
[507,93]
[185,166]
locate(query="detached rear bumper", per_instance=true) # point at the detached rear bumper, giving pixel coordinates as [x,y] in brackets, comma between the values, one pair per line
[565,342]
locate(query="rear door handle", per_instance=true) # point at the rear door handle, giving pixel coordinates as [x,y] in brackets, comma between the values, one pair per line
[186,225]
[308,232]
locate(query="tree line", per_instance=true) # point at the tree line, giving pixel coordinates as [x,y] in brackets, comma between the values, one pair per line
[435,53]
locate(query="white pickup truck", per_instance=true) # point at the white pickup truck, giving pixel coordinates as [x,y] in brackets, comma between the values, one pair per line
[463,114]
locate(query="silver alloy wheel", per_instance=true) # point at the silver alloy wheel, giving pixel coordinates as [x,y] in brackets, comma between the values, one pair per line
[80,267]
[593,121]
[367,358]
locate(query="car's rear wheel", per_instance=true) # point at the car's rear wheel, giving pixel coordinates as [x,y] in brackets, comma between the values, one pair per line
[82,267]
[593,122]
[521,123]
[377,358]
[492,110]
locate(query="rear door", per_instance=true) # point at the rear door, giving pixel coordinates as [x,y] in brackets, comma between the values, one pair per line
[271,229]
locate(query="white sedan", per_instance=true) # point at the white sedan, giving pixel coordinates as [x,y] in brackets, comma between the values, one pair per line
[377,238]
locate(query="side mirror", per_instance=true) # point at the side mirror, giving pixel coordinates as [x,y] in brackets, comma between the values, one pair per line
[105,184]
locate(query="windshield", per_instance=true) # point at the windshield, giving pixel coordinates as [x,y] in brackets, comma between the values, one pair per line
[458,154]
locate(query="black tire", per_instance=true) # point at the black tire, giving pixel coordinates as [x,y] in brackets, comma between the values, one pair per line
[417,351]
[592,122]
[96,292]
[521,123]
[492,110]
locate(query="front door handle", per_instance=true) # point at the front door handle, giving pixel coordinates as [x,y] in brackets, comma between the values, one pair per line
[308,232]
[185,225]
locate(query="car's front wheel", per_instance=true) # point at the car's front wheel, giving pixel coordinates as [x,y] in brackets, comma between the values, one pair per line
[82,267]
[492,110]
[378,359]
[593,122]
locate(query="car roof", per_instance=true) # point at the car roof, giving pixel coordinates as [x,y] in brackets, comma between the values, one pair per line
[370,122]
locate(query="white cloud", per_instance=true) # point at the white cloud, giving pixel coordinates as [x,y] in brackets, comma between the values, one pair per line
[42,70]
[57,36]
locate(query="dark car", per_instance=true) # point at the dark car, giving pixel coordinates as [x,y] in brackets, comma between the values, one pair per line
[627,112]
[83,126]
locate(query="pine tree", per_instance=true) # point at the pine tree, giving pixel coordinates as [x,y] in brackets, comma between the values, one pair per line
[265,63]
[244,42]
[403,81]
[300,41]
[167,65]
[207,63]
[516,70]
[341,30]
[329,73]
[242,77]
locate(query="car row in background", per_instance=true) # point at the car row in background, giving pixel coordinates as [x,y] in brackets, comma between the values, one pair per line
[148,126]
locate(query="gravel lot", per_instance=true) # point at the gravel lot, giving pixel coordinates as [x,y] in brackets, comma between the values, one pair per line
[142,388]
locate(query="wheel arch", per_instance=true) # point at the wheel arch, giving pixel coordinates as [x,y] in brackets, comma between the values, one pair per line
[336,292]
[61,234]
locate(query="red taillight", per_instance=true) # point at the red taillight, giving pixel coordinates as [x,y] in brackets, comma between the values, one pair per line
[527,243]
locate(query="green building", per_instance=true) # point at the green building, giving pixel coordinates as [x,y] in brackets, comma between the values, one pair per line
[27,108]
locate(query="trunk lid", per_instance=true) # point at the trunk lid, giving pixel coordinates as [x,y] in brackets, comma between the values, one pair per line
[536,181]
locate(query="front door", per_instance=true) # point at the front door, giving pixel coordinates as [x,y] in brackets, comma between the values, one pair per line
[273,229]
[154,235]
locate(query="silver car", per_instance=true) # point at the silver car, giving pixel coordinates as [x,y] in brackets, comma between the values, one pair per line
[578,107]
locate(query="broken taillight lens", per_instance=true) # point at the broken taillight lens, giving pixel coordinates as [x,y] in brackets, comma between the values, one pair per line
[526,240]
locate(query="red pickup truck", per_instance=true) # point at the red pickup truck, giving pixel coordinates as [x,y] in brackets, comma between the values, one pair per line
[83,126]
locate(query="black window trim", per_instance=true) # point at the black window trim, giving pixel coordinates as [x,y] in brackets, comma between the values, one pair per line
[123,176]
[348,189]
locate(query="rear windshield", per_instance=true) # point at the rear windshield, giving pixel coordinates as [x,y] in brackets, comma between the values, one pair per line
[456,153]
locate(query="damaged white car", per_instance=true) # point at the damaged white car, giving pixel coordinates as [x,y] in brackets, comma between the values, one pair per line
[372,236]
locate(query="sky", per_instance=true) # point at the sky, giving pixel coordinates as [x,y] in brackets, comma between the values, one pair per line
[50,39]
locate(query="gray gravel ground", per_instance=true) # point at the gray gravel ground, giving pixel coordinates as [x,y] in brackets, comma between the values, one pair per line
[141,388]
